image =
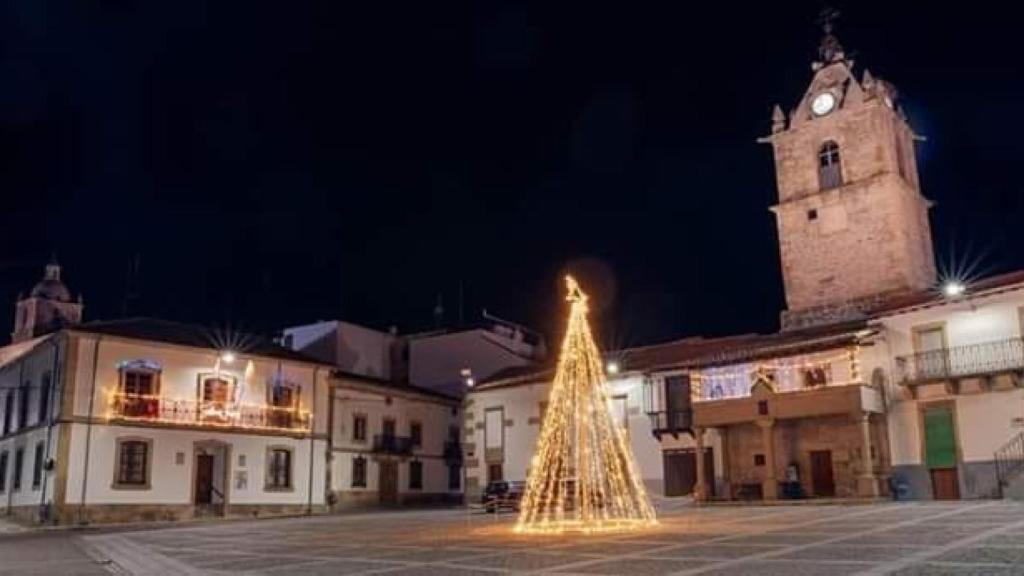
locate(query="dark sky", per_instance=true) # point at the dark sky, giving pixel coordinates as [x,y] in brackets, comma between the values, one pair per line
[273,163]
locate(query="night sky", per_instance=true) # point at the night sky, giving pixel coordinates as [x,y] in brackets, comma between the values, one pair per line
[273,163]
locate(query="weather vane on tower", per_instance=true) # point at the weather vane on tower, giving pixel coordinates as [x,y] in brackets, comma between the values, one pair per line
[830,50]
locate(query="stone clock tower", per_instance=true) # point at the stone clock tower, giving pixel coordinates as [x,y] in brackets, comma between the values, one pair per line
[853,225]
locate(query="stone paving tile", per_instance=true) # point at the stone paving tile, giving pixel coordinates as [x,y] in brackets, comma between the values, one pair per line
[610,548]
[428,570]
[907,537]
[638,567]
[1008,539]
[322,568]
[781,538]
[839,551]
[936,569]
[986,554]
[250,563]
[438,555]
[715,550]
[524,561]
[788,568]
[215,560]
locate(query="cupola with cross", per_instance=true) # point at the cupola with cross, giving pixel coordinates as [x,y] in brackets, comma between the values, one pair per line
[853,225]
[47,308]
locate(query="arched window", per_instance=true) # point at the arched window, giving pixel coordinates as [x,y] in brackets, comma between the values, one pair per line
[830,173]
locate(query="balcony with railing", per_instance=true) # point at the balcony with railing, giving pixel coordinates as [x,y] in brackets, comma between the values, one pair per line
[157,409]
[671,422]
[960,362]
[394,445]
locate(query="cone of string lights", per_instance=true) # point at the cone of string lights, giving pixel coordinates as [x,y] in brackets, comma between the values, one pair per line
[583,477]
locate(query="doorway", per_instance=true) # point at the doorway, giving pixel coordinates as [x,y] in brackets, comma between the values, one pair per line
[388,482]
[941,452]
[210,477]
[823,483]
[681,471]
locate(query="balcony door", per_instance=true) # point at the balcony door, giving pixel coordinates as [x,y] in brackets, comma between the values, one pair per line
[677,402]
[930,352]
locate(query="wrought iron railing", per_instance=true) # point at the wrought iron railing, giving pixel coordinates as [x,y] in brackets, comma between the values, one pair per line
[961,361]
[674,421]
[389,444]
[1010,459]
[200,413]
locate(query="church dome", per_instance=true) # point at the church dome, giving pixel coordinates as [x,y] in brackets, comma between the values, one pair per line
[50,287]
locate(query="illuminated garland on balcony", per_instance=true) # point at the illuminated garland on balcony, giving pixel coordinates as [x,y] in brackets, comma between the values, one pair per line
[203,413]
[583,476]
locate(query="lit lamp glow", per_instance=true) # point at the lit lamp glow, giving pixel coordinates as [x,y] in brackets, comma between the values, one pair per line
[228,357]
[613,367]
[953,288]
[583,476]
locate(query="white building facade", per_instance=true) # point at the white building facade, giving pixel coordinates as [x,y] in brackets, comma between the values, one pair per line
[392,445]
[136,420]
[956,412]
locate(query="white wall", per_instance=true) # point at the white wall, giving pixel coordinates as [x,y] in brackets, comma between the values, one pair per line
[973,321]
[984,420]
[352,348]
[434,414]
[171,475]
[171,479]
[27,362]
[437,361]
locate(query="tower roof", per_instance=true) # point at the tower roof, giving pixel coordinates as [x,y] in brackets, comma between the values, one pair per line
[51,287]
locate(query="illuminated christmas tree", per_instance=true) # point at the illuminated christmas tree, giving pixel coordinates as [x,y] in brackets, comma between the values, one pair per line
[583,476]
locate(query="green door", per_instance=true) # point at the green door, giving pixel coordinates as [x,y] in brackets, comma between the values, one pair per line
[939,438]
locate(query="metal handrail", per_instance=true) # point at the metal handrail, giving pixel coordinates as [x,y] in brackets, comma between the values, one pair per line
[961,361]
[201,413]
[1010,459]
[390,444]
[671,421]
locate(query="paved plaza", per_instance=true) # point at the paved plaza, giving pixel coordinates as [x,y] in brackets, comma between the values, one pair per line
[923,538]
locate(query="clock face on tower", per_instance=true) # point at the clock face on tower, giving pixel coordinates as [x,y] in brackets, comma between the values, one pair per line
[823,103]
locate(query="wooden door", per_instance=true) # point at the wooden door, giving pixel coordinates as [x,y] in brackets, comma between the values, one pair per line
[204,479]
[941,452]
[709,472]
[388,482]
[681,471]
[823,482]
[945,484]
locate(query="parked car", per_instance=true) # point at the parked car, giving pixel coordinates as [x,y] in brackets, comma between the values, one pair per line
[503,494]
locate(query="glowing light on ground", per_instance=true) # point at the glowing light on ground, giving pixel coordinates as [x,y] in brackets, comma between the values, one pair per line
[583,477]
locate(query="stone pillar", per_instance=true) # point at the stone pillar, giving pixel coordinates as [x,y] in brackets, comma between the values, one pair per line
[867,482]
[726,472]
[770,484]
[700,490]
